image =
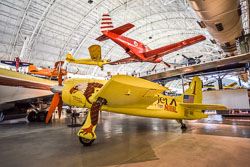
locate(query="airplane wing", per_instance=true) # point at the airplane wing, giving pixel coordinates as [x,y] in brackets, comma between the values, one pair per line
[124,61]
[194,106]
[24,64]
[95,52]
[173,47]
[8,62]
[127,90]
[15,86]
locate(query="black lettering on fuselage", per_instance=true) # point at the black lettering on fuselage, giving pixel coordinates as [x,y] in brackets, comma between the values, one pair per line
[163,100]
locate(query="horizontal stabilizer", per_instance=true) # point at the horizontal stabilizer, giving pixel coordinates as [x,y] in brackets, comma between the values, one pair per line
[102,38]
[122,29]
[194,106]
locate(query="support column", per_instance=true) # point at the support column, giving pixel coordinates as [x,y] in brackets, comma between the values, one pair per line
[239,81]
[182,83]
[25,43]
[220,83]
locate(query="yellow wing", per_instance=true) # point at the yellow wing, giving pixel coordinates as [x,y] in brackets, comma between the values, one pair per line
[95,52]
[127,90]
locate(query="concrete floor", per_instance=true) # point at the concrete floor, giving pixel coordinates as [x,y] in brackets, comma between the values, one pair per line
[128,141]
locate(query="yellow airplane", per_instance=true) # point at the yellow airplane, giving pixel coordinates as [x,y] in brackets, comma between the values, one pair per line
[129,95]
[230,86]
[96,58]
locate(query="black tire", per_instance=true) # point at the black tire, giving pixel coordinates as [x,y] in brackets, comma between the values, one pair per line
[184,126]
[86,142]
[32,117]
[41,116]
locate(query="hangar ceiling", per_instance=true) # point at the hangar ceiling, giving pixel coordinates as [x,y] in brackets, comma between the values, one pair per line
[44,31]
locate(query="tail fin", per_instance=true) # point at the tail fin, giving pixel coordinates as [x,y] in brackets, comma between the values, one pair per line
[106,24]
[194,93]
[70,58]
[32,69]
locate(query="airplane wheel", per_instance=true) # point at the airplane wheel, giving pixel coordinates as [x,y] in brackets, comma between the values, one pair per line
[86,142]
[32,117]
[41,116]
[183,126]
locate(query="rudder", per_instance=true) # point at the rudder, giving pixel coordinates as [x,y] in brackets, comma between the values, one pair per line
[194,93]
[106,23]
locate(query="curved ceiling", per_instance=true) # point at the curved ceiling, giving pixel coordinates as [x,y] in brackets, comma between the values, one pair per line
[44,31]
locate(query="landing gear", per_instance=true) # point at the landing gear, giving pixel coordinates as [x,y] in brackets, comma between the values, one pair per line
[86,142]
[32,116]
[101,68]
[41,116]
[183,126]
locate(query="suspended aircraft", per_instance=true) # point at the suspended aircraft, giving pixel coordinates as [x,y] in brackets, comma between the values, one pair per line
[230,86]
[95,57]
[17,88]
[17,63]
[137,51]
[190,60]
[48,72]
[128,95]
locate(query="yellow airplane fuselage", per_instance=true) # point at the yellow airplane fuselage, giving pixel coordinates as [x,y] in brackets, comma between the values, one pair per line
[159,106]
[99,63]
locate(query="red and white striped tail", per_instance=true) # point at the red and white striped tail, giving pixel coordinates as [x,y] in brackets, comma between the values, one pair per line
[106,23]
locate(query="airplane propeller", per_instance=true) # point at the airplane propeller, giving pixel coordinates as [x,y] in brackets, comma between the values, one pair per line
[57,99]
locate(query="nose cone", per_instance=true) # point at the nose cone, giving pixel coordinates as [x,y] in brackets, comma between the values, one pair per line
[56,89]
[73,96]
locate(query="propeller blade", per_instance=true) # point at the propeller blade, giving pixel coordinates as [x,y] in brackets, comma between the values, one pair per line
[200,56]
[60,75]
[166,64]
[185,56]
[54,103]
[154,67]
[60,107]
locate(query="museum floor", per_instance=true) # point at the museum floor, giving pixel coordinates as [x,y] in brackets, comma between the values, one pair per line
[128,141]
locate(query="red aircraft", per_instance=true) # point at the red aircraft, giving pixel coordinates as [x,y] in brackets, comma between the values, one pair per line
[17,62]
[137,51]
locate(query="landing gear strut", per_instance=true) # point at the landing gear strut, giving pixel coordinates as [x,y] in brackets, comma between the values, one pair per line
[91,123]
[183,126]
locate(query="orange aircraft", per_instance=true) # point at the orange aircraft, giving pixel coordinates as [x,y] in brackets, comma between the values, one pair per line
[48,72]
